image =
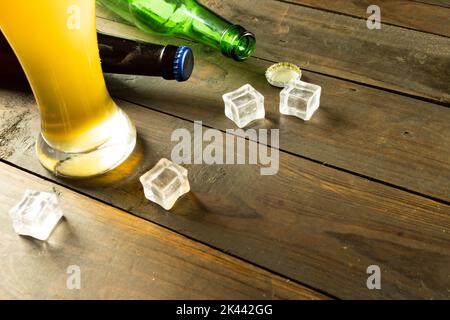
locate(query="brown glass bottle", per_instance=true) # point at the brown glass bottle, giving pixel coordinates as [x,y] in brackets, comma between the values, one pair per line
[123,57]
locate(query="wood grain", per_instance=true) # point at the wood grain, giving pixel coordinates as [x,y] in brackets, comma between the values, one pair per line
[393,58]
[442,3]
[120,256]
[395,139]
[310,223]
[404,13]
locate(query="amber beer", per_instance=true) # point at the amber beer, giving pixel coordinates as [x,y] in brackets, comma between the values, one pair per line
[83,132]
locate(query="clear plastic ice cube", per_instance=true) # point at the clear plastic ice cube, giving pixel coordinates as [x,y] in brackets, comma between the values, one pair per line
[36,215]
[165,183]
[244,105]
[300,99]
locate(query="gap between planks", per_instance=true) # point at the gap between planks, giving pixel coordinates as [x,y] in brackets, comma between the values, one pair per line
[364,16]
[375,180]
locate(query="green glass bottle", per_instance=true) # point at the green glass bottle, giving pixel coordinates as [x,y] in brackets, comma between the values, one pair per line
[186,18]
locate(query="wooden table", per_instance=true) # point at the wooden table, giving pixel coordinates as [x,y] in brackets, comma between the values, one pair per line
[365,182]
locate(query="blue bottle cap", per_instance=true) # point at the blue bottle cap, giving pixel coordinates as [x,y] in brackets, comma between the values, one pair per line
[183,64]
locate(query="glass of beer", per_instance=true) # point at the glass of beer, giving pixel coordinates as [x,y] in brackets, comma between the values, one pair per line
[83,132]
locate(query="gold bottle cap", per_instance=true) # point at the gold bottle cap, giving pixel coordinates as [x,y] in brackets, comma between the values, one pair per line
[280,74]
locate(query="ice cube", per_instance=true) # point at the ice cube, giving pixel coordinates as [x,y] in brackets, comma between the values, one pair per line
[244,105]
[300,99]
[36,215]
[165,183]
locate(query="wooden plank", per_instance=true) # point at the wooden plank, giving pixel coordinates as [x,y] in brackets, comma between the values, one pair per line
[310,223]
[442,3]
[395,139]
[404,13]
[120,256]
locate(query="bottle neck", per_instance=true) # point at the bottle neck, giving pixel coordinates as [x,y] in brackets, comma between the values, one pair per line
[130,57]
[147,59]
[233,40]
[238,43]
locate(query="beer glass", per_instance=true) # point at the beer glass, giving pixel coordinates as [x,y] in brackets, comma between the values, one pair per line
[83,132]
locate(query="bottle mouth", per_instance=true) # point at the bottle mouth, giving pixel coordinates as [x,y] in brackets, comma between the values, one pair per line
[245,46]
[238,43]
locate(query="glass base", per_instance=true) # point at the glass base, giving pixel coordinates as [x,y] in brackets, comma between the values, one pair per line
[93,162]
